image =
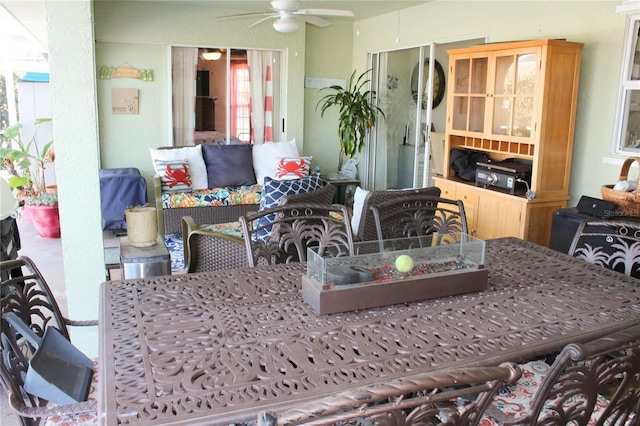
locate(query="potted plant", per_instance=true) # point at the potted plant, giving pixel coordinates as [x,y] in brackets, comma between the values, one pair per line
[25,162]
[357,116]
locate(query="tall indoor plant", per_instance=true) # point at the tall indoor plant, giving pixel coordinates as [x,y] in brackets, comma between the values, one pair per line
[25,161]
[358,113]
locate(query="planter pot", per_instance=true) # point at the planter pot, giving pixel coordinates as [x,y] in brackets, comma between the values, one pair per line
[26,214]
[142,226]
[46,220]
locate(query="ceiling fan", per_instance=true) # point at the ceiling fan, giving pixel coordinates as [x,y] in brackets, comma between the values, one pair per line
[287,13]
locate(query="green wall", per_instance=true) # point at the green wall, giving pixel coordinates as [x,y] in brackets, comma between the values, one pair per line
[594,23]
[139,34]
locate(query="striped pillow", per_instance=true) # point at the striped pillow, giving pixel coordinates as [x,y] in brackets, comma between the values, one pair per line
[174,175]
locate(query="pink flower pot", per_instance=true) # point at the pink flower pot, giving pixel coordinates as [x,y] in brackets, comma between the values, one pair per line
[46,220]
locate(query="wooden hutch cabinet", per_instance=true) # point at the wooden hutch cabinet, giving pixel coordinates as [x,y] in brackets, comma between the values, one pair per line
[514,100]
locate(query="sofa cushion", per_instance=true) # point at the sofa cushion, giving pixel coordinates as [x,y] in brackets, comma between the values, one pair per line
[266,156]
[174,175]
[293,168]
[197,168]
[274,190]
[229,165]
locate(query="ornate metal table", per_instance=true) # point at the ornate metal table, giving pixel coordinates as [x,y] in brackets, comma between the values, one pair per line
[217,348]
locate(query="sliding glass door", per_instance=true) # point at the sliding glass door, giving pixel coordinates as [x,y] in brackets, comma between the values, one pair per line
[405,149]
[223,94]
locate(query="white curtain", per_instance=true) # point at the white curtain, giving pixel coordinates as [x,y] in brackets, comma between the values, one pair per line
[184,62]
[261,76]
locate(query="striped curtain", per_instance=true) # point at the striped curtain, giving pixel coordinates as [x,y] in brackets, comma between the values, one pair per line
[261,75]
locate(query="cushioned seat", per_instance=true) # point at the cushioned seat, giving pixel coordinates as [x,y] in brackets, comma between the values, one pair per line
[210,247]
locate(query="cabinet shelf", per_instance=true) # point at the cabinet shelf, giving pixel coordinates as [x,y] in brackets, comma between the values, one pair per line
[495,148]
[513,100]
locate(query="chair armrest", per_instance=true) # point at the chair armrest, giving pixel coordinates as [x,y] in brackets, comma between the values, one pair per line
[80,323]
[157,196]
[211,251]
[426,395]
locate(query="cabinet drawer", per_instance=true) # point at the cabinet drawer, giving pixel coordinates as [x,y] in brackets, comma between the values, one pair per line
[448,189]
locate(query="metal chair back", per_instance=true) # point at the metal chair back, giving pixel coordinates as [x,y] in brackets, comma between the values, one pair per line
[282,234]
[612,244]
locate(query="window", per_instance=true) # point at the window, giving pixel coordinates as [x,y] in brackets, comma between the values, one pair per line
[225,94]
[627,127]
[240,103]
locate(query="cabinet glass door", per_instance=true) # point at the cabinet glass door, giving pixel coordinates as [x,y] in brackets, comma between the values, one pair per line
[515,78]
[470,94]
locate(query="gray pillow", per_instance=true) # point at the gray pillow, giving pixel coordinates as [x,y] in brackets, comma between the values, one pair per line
[228,165]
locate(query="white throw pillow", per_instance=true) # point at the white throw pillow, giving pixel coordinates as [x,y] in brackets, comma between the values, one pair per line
[358,204]
[266,156]
[193,154]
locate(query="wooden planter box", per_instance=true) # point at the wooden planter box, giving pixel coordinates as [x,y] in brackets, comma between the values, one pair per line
[442,267]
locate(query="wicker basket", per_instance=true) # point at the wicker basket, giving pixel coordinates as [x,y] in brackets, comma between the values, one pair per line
[628,202]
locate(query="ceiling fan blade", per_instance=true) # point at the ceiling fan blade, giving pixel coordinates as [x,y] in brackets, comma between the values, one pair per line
[242,15]
[314,20]
[325,12]
[266,18]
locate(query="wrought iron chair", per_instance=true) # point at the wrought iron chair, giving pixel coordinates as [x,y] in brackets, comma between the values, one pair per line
[221,246]
[367,226]
[592,383]
[26,293]
[612,244]
[419,215]
[282,234]
[425,398]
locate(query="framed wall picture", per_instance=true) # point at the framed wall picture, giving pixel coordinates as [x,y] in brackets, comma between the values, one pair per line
[124,101]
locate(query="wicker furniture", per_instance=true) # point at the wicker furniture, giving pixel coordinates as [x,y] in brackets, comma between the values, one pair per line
[430,397]
[572,390]
[611,244]
[170,219]
[221,347]
[418,215]
[27,294]
[282,234]
[211,250]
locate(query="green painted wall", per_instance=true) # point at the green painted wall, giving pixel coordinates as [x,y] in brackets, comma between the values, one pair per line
[88,136]
[594,23]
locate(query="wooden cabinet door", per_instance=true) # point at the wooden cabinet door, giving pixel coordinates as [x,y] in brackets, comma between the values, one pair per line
[448,189]
[469,197]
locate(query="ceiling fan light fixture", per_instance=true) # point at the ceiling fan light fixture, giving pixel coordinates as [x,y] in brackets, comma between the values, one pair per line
[212,56]
[286,25]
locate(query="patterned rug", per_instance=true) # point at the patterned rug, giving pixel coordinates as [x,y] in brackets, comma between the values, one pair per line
[174,244]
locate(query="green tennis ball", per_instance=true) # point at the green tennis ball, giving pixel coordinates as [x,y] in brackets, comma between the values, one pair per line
[404,263]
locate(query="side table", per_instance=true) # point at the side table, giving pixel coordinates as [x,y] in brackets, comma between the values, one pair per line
[342,184]
[142,262]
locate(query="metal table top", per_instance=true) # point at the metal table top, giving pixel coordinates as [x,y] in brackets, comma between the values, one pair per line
[219,347]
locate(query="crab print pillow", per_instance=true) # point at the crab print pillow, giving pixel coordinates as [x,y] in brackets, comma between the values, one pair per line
[174,175]
[293,168]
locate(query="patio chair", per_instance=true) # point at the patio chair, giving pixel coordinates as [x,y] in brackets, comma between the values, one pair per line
[363,215]
[612,244]
[419,215]
[592,383]
[423,398]
[221,246]
[26,293]
[282,234]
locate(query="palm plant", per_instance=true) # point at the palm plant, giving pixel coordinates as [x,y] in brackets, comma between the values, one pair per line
[25,161]
[358,113]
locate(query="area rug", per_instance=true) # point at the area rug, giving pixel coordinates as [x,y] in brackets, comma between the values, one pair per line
[174,245]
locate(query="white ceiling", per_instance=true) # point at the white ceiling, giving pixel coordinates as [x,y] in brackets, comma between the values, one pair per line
[23,32]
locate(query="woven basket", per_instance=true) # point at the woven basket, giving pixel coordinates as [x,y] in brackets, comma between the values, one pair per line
[628,202]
